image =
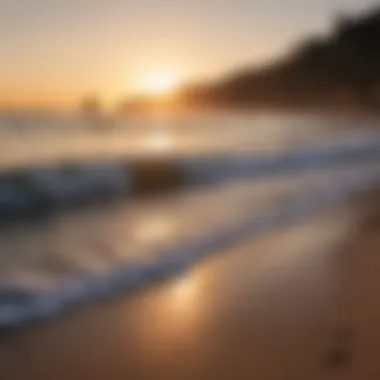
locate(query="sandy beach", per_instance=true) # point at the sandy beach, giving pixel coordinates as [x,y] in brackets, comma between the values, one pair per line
[297,304]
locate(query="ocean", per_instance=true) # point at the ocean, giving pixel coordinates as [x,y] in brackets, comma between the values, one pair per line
[75,229]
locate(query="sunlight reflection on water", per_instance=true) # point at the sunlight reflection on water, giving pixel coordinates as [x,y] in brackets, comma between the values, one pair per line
[154,229]
[203,134]
[158,142]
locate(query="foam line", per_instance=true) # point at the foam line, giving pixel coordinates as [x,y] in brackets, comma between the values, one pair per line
[22,308]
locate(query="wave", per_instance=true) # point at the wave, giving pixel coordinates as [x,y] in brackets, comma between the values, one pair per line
[22,305]
[41,187]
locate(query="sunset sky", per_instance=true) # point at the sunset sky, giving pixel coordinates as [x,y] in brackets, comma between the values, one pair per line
[55,51]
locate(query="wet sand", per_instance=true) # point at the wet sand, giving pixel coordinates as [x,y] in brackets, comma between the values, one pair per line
[299,304]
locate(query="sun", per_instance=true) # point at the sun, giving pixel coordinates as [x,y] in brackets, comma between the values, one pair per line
[160,84]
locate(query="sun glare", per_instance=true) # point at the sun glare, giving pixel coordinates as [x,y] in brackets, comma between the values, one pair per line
[160,84]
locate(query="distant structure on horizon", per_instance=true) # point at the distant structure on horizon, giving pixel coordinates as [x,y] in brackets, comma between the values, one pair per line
[91,106]
[92,110]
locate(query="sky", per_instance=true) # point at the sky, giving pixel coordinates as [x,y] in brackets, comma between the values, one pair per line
[53,52]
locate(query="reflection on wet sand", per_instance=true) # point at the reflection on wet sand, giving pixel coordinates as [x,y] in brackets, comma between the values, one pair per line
[173,316]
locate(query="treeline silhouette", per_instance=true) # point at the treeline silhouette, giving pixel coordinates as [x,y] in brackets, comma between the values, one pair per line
[341,70]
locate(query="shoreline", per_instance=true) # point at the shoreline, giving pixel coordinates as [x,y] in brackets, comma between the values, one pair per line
[301,308]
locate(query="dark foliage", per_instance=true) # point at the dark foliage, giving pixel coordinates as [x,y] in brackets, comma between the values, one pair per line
[343,69]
